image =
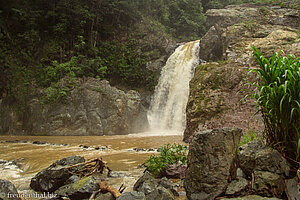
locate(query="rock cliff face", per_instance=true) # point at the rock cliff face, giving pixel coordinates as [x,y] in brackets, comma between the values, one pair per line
[92,108]
[217,87]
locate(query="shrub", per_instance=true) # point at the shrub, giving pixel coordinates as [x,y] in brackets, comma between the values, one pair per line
[168,154]
[278,94]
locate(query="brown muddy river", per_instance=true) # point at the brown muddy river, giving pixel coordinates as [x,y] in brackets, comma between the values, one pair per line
[121,155]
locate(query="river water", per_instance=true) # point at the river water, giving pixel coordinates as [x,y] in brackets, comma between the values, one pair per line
[122,153]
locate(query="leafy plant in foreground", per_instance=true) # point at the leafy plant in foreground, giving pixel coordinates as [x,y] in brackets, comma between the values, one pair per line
[278,96]
[169,154]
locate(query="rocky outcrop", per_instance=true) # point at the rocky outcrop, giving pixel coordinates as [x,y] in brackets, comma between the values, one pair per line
[255,156]
[80,189]
[211,45]
[152,189]
[212,168]
[8,191]
[266,166]
[218,87]
[212,163]
[134,195]
[56,175]
[235,14]
[92,108]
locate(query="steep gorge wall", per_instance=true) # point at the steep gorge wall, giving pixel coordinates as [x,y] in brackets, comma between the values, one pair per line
[92,108]
[217,87]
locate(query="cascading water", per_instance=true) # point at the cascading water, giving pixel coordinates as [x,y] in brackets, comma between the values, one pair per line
[168,104]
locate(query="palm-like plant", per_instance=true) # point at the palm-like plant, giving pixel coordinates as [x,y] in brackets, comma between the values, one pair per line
[278,96]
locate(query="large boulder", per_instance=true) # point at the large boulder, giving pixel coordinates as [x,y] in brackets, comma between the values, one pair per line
[152,189]
[56,175]
[212,162]
[81,189]
[8,191]
[211,45]
[257,156]
[268,184]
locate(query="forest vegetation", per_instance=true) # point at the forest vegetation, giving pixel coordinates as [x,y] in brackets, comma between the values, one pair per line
[43,42]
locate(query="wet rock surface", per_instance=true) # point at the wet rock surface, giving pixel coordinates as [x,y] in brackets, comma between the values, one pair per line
[212,161]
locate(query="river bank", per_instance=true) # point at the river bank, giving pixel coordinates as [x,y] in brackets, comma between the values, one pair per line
[27,155]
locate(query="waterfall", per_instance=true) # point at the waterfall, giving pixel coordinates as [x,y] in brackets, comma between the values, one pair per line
[167,111]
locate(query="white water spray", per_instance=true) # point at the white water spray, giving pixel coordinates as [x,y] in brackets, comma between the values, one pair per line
[167,109]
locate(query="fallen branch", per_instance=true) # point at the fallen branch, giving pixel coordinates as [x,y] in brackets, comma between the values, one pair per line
[89,168]
[107,188]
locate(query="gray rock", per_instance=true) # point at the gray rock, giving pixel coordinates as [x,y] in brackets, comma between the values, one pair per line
[247,155]
[72,179]
[292,189]
[237,187]
[251,197]
[256,156]
[80,189]
[8,191]
[106,196]
[268,184]
[234,14]
[92,108]
[211,162]
[211,45]
[132,196]
[175,171]
[55,176]
[240,173]
[152,190]
[166,183]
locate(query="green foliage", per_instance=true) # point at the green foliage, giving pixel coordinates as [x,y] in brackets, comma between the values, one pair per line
[168,154]
[264,10]
[59,91]
[246,138]
[277,95]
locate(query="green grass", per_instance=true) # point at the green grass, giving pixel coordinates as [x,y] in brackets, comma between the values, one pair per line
[168,154]
[277,95]
[250,136]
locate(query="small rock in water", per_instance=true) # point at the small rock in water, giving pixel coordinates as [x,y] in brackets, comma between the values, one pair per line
[84,146]
[139,149]
[38,142]
[151,149]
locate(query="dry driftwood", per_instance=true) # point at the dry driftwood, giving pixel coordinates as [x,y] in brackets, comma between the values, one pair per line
[90,167]
[107,188]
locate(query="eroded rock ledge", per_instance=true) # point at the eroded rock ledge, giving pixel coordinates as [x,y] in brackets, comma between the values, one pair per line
[94,107]
[217,87]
